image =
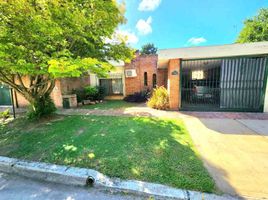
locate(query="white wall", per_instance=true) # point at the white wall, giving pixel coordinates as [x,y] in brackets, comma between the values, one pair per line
[266,99]
[94,81]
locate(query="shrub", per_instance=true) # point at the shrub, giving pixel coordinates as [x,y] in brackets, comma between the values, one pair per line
[138,97]
[94,93]
[159,99]
[101,93]
[91,92]
[80,94]
[5,114]
[44,106]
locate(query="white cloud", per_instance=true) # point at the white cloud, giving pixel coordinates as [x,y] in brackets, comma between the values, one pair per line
[123,36]
[144,26]
[149,5]
[196,41]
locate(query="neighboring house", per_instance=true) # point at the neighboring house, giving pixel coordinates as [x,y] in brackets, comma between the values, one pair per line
[209,78]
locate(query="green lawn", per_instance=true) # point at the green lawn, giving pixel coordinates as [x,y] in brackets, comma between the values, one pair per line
[148,149]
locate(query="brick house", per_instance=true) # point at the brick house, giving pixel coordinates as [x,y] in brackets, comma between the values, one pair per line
[209,78]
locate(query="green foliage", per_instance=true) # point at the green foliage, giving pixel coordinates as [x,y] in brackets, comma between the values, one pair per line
[59,38]
[91,92]
[42,106]
[101,93]
[50,39]
[148,49]
[94,93]
[159,99]
[5,114]
[80,94]
[138,97]
[255,29]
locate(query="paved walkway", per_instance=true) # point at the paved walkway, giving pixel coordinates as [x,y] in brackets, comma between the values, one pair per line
[235,152]
[18,188]
[142,110]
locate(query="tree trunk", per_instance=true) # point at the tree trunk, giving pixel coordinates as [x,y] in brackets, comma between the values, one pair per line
[37,92]
[41,106]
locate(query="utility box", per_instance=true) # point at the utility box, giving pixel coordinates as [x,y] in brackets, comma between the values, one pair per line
[69,101]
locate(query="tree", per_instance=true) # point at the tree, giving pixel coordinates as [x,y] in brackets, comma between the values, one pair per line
[255,29]
[148,49]
[45,40]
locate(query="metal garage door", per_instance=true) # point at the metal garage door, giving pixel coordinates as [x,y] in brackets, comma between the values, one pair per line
[229,84]
[4,95]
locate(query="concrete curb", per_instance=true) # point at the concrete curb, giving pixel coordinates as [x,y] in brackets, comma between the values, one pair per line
[82,177]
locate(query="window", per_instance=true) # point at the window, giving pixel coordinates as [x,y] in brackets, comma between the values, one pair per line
[198,75]
[145,79]
[154,80]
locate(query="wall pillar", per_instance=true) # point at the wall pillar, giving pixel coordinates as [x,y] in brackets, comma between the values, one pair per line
[266,99]
[174,84]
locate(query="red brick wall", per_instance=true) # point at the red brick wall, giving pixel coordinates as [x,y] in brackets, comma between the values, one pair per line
[162,77]
[173,84]
[142,64]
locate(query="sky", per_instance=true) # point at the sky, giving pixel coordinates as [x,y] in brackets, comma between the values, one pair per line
[184,23]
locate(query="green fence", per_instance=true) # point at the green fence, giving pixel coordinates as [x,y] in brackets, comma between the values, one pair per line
[227,84]
[5,98]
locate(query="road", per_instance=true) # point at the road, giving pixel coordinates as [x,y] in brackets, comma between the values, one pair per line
[18,188]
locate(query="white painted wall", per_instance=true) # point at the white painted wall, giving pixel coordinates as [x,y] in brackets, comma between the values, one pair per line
[94,81]
[266,99]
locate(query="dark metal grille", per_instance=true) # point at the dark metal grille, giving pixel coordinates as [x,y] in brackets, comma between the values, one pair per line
[223,84]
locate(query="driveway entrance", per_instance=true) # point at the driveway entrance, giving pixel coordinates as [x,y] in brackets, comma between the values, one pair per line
[235,152]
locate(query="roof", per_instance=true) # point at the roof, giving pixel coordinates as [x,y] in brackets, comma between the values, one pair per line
[220,51]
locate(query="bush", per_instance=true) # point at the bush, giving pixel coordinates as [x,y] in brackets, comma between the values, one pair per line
[101,93]
[5,114]
[94,93]
[91,92]
[159,99]
[42,106]
[80,94]
[138,97]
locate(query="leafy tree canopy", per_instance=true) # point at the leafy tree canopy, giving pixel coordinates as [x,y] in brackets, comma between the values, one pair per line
[48,39]
[255,29]
[148,49]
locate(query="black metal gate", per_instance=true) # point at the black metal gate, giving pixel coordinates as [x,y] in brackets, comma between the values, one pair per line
[229,84]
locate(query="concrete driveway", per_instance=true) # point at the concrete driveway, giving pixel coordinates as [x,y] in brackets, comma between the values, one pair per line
[235,152]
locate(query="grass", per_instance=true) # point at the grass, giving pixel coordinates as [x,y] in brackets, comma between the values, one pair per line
[110,104]
[147,149]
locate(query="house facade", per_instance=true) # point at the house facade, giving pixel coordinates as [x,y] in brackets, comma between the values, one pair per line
[210,78]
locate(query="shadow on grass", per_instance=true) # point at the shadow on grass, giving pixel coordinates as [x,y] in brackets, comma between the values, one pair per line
[148,149]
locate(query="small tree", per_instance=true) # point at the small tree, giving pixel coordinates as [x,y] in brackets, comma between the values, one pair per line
[148,49]
[255,29]
[45,40]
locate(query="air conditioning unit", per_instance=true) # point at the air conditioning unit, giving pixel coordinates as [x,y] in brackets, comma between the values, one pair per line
[131,73]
